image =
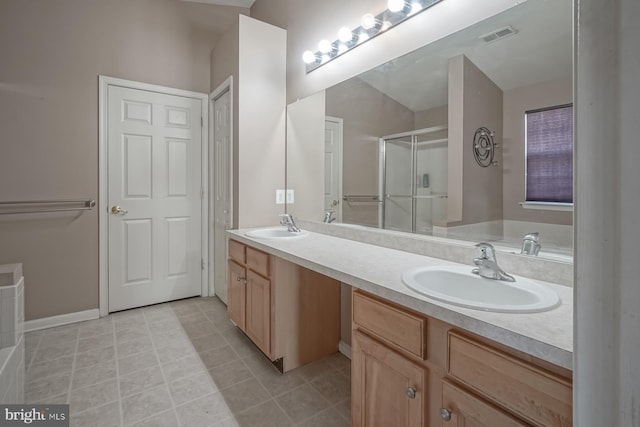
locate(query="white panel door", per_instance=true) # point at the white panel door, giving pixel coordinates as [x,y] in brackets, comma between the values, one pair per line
[154,180]
[221,188]
[333,166]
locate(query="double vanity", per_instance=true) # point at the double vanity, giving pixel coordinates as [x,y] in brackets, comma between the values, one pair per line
[416,359]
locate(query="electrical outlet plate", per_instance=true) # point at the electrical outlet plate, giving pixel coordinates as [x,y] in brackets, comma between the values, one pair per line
[290,196]
[280,194]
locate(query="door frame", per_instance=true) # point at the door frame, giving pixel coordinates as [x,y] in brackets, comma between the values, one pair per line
[225,86]
[103,179]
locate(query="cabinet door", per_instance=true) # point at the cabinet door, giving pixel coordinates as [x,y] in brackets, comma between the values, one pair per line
[236,293]
[258,326]
[461,409]
[388,390]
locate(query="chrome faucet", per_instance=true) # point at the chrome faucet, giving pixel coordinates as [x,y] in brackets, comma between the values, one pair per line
[488,266]
[328,217]
[287,220]
[530,244]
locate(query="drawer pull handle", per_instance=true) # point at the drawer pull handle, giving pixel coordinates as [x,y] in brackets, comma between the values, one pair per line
[411,392]
[241,279]
[445,414]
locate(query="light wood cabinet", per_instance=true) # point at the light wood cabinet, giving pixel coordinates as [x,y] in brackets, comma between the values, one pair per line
[236,293]
[387,389]
[292,314]
[467,380]
[258,317]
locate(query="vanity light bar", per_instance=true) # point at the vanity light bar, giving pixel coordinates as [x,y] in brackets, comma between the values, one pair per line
[371,25]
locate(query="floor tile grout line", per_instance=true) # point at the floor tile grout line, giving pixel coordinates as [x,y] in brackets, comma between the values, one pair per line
[35,351]
[283,410]
[115,356]
[75,353]
[164,377]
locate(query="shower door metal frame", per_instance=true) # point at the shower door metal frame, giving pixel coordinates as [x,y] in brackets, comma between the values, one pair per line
[382,184]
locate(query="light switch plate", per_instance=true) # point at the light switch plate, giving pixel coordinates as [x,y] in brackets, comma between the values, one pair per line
[290,197]
[280,197]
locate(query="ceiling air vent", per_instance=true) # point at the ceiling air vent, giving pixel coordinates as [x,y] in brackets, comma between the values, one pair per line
[498,34]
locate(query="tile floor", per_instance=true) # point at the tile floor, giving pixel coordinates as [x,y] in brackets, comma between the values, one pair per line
[179,364]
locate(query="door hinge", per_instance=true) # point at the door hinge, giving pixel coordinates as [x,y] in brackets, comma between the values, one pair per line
[201,264]
[201,121]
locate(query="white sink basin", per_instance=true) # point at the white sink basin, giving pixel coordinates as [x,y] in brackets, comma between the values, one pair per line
[457,285]
[276,233]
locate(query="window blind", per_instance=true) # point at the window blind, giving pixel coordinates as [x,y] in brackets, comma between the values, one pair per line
[549,134]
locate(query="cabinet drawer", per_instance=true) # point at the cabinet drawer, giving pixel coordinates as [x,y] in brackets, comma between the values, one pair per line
[394,325]
[237,251]
[258,261]
[526,390]
[469,410]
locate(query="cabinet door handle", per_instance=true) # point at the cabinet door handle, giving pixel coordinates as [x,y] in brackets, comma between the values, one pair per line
[411,392]
[241,279]
[445,414]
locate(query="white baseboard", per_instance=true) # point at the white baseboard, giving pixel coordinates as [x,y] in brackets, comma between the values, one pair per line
[345,349]
[62,319]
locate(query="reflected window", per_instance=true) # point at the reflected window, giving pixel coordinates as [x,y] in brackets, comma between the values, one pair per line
[549,142]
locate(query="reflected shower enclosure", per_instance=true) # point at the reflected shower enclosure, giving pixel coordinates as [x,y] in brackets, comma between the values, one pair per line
[413,180]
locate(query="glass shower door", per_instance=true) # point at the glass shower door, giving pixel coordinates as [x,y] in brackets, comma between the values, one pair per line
[430,192]
[398,184]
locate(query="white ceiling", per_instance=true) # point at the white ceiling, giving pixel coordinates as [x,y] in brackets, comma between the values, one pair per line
[236,3]
[540,51]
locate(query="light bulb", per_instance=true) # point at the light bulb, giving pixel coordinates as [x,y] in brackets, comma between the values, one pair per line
[345,35]
[395,5]
[308,57]
[325,46]
[368,21]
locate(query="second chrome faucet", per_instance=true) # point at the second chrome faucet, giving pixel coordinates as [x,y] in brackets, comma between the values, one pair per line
[287,220]
[487,265]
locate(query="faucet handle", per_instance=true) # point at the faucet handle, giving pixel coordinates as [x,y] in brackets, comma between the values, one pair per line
[487,251]
[535,236]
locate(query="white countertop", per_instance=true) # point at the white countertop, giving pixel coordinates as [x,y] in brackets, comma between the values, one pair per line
[547,335]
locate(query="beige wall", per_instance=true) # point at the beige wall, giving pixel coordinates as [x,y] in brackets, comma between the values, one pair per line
[437,116]
[516,102]
[475,193]
[253,53]
[52,53]
[368,114]
[261,122]
[305,140]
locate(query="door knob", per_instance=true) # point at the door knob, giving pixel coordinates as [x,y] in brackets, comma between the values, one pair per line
[445,414]
[118,210]
[335,202]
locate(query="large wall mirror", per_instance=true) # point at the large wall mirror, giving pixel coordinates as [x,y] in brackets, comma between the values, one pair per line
[469,137]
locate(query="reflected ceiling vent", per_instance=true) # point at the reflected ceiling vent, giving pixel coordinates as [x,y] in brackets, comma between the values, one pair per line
[498,34]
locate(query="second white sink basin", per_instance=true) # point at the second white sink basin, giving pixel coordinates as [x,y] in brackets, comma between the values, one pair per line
[457,285]
[276,233]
